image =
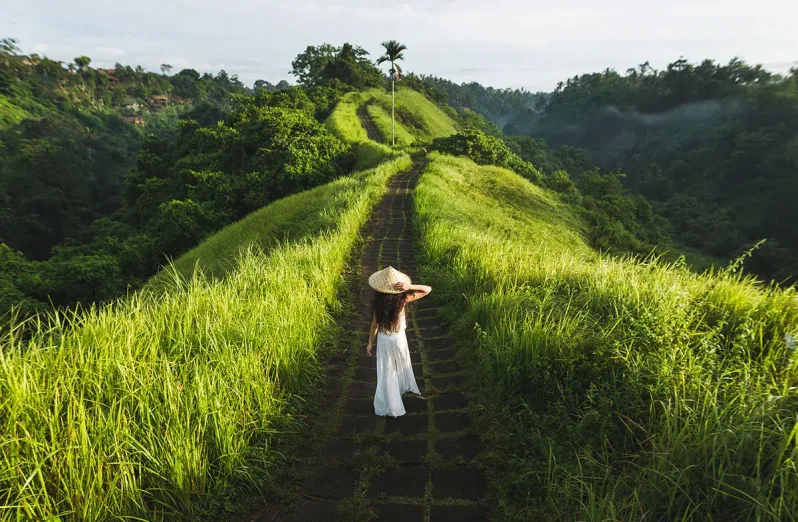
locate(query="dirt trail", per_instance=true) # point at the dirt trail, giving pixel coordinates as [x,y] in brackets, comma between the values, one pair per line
[366,122]
[430,475]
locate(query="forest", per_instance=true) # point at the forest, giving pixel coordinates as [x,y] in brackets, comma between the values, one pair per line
[497,105]
[712,147]
[106,174]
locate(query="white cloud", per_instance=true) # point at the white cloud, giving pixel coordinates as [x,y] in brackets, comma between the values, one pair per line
[515,43]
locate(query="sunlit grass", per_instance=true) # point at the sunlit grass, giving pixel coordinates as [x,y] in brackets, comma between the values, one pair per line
[382,120]
[289,219]
[436,123]
[345,125]
[165,403]
[620,389]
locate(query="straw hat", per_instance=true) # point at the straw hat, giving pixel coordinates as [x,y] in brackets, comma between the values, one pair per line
[384,280]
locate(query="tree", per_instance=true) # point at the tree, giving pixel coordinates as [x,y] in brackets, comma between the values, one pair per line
[263,84]
[393,53]
[9,46]
[331,66]
[351,67]
[309,66]
[82,62]
[166,68]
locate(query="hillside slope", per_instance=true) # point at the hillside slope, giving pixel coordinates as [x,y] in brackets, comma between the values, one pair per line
[611,388]
[418,121]
[303,216]
[168,402]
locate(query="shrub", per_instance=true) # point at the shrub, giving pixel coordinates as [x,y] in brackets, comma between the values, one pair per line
[486,150]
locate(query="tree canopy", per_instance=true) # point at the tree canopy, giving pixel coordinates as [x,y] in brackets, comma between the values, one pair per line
[347,66]
[712,146]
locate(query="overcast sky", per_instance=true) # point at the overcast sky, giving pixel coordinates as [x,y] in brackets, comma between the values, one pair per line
[503,43]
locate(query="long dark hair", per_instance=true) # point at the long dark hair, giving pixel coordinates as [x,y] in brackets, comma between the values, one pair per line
[387,309]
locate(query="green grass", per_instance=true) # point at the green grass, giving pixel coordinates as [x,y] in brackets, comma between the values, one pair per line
[345,125]
[428,120]
[618,389]
[382,120]
[293,218]
[164,404]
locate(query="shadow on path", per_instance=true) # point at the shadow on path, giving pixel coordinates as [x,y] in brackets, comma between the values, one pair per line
[366,122]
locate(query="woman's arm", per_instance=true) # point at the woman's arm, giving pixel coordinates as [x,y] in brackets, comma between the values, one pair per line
[419,291]
[372,334]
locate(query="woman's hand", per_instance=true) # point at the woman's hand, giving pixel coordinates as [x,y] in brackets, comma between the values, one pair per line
[401,285]
[418,291]
[369,350]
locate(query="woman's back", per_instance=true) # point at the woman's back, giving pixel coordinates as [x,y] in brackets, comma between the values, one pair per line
[400,327]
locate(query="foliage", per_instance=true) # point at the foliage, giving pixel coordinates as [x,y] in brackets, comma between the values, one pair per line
[204,178]
[65,151]
[60,172]
[471,120]
[169,402]
[498,105]
[713,147]
[486,150]
[337,67]
[611,389]
[393,53]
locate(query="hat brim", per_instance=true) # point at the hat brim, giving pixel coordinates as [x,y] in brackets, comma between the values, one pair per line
[379,283]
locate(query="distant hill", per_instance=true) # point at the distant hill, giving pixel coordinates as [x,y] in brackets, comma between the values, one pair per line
[713,147]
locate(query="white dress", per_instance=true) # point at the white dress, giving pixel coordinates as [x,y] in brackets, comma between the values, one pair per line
[394,372]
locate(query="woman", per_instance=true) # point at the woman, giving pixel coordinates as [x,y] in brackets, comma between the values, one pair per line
[394,370]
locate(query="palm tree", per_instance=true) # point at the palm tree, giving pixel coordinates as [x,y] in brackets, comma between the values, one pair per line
[393,53]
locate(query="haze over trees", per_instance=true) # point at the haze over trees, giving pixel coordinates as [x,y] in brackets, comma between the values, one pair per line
[713,147]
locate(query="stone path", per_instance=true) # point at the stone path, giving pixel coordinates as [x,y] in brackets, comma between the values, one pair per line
[419,467]
[363,115]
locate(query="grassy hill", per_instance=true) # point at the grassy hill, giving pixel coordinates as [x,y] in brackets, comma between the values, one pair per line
[175,393]
[168,402]
[612,389]
[609,387]
[303,216]
[418,121]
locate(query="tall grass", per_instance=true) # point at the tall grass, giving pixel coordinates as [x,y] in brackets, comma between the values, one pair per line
[344,123]
[620,389]
[290,219]
[166,403]
[432,121]
[382,120]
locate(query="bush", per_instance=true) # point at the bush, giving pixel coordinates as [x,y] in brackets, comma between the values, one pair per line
[486,150]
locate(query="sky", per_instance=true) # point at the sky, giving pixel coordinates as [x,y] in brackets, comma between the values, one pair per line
[501,43]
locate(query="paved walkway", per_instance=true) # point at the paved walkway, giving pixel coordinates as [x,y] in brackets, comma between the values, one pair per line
[419,467]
